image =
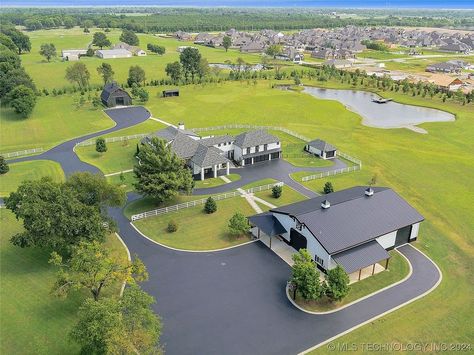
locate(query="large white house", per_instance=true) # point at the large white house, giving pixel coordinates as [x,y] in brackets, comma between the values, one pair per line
[214,155]
[353,228]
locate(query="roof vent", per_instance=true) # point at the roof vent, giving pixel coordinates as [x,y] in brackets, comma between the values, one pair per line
[369,191]
[325,204]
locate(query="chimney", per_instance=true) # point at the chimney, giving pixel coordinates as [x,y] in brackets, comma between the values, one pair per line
[181,125]
[369,191]
[325,204]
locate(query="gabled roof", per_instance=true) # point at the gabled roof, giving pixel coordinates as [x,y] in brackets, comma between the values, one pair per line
[322,145]
[361,256]
[217,140]
[254,138]
[109,89]
[184,146]
[353,218]
[208,156]
[267,223]
[170,132]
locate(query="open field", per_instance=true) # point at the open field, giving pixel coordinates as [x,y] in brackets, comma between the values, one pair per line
[52,75]
[196,229]
[29,170]
[31,318]
[54,120]
[397,269]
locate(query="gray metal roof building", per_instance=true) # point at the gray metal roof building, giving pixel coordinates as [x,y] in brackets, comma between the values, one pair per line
[321,145]
[254,138]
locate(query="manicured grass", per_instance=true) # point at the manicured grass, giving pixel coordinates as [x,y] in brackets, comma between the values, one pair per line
[29,170]
[32,320]
[212,182]
[52,75]
[398,268]
[380,55]
[54,120]
[196,229]
[288,196]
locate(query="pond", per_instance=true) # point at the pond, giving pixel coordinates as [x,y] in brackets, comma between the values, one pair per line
[386,115]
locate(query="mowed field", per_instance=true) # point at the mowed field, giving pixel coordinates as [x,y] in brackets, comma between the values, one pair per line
[32,320]
[52,75]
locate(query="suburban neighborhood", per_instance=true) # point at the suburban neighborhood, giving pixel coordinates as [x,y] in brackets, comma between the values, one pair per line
[214,179]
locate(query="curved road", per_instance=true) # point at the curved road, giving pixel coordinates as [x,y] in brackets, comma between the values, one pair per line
[234,301]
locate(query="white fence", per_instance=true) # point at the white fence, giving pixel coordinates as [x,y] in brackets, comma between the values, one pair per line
[202,201]
[331,173]
[348,157]
[238,126]
[112,139]
[22,152]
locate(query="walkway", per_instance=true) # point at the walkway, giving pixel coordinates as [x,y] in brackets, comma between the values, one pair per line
[234,301]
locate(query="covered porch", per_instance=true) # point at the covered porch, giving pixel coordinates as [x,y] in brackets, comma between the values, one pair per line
[214,171]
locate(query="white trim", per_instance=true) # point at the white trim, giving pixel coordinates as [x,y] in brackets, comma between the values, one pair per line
[384,313]
[191,251]
[129,259]
[410,271]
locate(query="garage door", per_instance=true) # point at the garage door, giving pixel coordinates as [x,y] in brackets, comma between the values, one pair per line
[276,155]
[261,158]
[403,236]
[248,161]
[297,240]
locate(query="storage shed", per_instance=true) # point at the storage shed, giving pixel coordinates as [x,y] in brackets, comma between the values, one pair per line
[113,95]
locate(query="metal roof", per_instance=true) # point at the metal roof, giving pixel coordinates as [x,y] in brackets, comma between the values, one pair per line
[361,256]
[109,89]
[322,145]
[267,223]
[353,218]
[254,138]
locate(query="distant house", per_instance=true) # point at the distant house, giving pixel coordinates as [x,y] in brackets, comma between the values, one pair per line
[113,53]
[182,36]
[456,48]
[446,82]
[444,67]
[72,54]
[170,93]
[113,95]
[253,47]
[353,228]
[134,49]
[321,148]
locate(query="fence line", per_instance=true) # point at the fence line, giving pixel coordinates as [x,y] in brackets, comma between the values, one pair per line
[22,152]
[237,126]
[112,139]
[348,157]
[202,201]
[331,173]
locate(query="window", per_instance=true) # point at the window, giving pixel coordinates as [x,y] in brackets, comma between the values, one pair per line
[257,148]
[319,260]
[247,151]
[265,147]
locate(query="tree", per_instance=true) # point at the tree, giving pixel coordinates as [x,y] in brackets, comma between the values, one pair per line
[79,74]
[136,75]
[172,226]
[100,145]
[22,41]
[238,225]
[140,93]
[129,37]
[13,59]
[338,283]
[203,69]
[328,188]
[226,42]
[7,42]
[273,50]
[48,50]
[118,326]
[100,40]
[305,277]
[156,48]
[190,59]
[92,267]
[210,205]
[22,99]
[105,70]
[4,168]
[161,174]
[173,70]
[277,191]
[61,215]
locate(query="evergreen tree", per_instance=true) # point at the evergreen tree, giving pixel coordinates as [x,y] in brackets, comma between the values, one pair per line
[328,188]
[210,205]
[277,191]
[238,225]
[100,145]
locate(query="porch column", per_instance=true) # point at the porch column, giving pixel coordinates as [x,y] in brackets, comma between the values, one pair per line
[202,173]
[252,161]
[270,156]
[215,171]
[227,168]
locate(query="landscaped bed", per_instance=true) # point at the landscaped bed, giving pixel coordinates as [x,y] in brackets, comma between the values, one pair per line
[398,268]
[196,229]
[29,170]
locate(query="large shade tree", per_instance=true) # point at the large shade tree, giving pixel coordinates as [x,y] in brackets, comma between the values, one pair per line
[161,174]
[100,40]
[106,72]
[305,277]
[190,59]
[22,99]
[48,50]
[79,74]
[136,75]
[129,37]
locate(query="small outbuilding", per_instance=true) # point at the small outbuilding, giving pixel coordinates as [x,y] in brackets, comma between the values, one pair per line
[321,148]
[113,95]
[170,93]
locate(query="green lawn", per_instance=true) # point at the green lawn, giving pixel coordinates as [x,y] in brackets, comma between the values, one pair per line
[54,120]
[32,320]
[398,268]
[381,55]
[196,229]
[29,170]
[213,182]
[52,75]
[288,196]
[127,183]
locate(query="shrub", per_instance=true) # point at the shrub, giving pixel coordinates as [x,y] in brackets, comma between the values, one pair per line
[277,191]
[238,224]
[328,188]
[4,168]
[100,145]
[337,283]
[172,226]
[305,277]
[210,206]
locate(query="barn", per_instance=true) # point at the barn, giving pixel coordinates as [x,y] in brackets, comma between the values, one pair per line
[113,95]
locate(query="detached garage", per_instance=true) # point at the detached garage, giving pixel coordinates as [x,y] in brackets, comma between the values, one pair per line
[321,148]
[113,95]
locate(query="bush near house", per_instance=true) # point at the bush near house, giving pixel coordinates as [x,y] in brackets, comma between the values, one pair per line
[277,191]
[238,225]
[305,277]
[328,188]
[210,206]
